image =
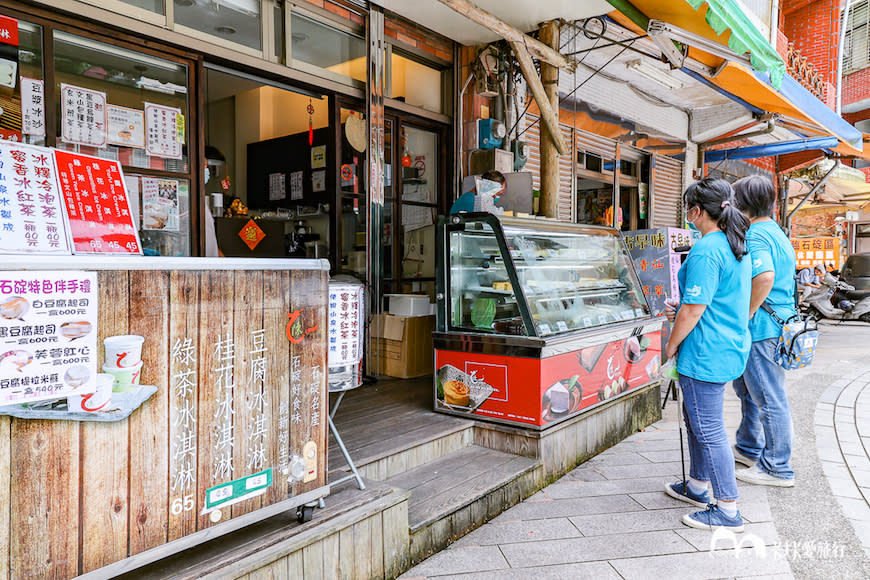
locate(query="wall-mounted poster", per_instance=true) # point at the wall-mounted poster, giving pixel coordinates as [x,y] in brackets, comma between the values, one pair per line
[98,213]
[48,335]
[160,204]
[318,180]
[296,185]
[162,126]
[126,127]
[318,157]
[83,116]
[32,107]
[31,218]
[277,186]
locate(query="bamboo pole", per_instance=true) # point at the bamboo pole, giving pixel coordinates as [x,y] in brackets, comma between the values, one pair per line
[536,48]
[548,115]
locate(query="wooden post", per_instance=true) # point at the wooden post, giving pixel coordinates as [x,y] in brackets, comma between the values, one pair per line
[549,35]
[549,117]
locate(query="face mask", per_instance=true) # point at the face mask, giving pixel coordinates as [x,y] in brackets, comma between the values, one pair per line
[692,224]
[207,175]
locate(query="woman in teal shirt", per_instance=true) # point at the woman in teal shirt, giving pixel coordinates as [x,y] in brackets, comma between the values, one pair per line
[711,335]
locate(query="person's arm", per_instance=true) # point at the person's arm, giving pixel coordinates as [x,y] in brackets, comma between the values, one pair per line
[761,287]
[687,318]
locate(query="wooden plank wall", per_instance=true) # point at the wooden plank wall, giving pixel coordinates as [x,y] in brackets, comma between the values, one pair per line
[75,497]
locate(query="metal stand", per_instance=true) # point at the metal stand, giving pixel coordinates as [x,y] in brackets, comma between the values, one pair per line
[674,389]
[354,473]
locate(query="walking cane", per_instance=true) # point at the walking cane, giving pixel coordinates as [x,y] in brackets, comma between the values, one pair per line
[674,387]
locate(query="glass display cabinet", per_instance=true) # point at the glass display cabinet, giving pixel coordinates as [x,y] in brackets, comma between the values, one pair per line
[537,320]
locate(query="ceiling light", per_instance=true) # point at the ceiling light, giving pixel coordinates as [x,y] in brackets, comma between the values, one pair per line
[185,3]
[299,36]
[654,74]
[225,30]
[662,31]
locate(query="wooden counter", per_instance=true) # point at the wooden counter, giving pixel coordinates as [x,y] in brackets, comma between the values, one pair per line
[238,393]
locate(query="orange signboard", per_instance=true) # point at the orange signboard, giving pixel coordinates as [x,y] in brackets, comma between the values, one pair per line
[811,251]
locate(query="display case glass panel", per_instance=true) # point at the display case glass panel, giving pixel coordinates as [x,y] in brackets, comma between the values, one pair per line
[568,278]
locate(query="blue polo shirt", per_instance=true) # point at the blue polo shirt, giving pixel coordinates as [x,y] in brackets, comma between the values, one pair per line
[717,348]
[771,251]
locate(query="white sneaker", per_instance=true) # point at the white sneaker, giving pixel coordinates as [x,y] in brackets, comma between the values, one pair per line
[758,477]
[742,459]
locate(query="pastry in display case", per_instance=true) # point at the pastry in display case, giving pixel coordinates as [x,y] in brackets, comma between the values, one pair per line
[545,319]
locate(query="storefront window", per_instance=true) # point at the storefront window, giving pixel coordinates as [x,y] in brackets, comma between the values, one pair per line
[415,83]
[419,186]
[328,48]
[237,21]
[156,6]
[131,107]
[22,109]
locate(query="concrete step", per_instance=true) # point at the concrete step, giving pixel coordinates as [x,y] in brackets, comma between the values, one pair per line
[456,493]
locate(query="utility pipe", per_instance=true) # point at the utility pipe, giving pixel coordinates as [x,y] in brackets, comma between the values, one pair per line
[767,130]
[840,57]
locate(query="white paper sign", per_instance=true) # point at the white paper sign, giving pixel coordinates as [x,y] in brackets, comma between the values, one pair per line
[345,324]
[83,116]
[32,107]
[296,184]
[162,127]
[277,186]
[318,180]
[31,218]
[126,126]
[48,335]
[318,157]
[131,182]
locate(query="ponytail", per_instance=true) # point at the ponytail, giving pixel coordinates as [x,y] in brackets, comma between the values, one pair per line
[716,197]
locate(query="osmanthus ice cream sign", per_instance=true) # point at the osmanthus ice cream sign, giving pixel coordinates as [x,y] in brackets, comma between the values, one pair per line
[48,335]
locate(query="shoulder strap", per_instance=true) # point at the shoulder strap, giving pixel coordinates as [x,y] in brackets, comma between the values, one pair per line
[770,311]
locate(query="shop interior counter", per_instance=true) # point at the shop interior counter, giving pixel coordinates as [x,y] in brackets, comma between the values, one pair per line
[237,351]
[537,320]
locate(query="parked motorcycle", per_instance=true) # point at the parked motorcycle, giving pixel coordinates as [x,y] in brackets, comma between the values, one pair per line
[851,305]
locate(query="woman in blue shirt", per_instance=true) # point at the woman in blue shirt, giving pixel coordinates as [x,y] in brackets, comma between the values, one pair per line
[710,332]
[764,438]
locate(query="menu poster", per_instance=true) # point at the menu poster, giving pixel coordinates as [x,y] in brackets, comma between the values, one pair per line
[97,210]
[48,335]
[296,182]
[161,131]
[83,116]
[277,186]
[32,107]
[31,218]
[126,127]
[160,204]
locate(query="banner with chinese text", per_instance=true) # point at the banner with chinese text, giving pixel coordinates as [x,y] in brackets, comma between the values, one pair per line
[812,251]
[48,335]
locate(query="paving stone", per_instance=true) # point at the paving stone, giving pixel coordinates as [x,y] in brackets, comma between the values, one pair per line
[645,521]
[753,533]
[625,471]
[852,507]
[656,500]
[846,431]
[825,435]
[862,530]
[458,560]
[618,459]
[824,419]
[835,470]
[755,511]
[542,510]
[831,393]
[596,548]
[644,446]
[857,461]
[565,489]
[585,474]
[788,576]
[597,570]
[664,456]
[859,513]
[861,477]
[829,453]
[844,488]
[852,448]
[703,565]
[520,531]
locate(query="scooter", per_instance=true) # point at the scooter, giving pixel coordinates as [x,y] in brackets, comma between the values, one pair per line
[818,302]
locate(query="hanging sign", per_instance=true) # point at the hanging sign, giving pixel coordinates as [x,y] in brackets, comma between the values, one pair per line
[318,157]
[126,127]
[83,116]
[31,219]
[10,99]
[162,128]
[48,335]
[346,323]
[98,213]
[812,251]
[32,107]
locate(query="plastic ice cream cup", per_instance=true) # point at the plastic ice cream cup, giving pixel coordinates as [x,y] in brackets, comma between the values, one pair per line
[123,351]
[124,378]
[93,402]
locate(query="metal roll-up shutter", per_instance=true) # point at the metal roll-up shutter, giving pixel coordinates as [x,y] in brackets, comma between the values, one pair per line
[566,176]
[597,144]
[532,136]
[667,192]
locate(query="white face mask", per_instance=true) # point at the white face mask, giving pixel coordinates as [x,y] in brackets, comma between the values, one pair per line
[207,175]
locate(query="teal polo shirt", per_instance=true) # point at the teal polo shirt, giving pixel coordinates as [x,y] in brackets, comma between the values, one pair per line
[717,348]
[770,251]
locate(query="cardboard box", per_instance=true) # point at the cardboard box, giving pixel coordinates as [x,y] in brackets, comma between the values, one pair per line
[401,346]
[407,304]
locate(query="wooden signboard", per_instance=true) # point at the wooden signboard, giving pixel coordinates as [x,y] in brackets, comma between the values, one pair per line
[239,359]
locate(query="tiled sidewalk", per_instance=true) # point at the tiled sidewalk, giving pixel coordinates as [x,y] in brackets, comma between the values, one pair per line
[610,518]
[842,427]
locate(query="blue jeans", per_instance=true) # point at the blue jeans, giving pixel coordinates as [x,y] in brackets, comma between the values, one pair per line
[709,450]
[765,433]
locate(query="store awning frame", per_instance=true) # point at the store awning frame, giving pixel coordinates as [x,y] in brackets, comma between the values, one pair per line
[770,149]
